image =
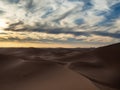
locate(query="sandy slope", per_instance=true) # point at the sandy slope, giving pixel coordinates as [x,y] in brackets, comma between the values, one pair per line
[19,74]
[60,69]
[101,66]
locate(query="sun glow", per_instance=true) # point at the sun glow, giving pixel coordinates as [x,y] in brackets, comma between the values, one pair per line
[3,24]
[1,31]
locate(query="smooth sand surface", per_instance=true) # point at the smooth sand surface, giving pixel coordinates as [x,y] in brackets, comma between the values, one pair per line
[101,66]
[60,69]
[39,75]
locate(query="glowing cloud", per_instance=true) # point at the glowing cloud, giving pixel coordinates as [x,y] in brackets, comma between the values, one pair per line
[63,21]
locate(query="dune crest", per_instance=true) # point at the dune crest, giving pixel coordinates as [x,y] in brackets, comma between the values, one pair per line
[101,66]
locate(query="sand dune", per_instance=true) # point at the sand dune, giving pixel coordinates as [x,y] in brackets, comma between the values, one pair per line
[100,66]
[38,69]
[60,69]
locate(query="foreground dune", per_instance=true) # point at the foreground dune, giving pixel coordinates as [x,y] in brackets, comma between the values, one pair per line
[101,66]
[60,69]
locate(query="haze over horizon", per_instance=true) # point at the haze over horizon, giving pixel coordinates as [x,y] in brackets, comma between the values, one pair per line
[59,23]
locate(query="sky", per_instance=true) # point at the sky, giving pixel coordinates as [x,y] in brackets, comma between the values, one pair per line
[59,23]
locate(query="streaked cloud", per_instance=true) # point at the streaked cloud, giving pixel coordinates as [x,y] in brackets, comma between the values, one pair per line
[70,21]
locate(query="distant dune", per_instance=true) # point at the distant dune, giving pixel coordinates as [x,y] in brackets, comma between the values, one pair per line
[60,68]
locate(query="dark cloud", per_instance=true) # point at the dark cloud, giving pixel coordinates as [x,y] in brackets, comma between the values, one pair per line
[49,11]
[30,6]
[2,12]
[113,35]
[38,28]
[12,27]
[79,21]
[64,31]
[87,4]
[13,1]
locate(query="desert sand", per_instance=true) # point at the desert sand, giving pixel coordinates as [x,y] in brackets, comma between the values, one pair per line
[60,68]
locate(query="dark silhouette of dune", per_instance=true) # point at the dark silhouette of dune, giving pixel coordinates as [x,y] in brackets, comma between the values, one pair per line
[101,66]
[60,68]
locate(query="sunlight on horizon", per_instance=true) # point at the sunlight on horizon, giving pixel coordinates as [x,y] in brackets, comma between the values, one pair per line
[40,45]
[28,44]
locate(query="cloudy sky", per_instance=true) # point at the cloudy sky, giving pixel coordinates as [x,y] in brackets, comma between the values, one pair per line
[59,23]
